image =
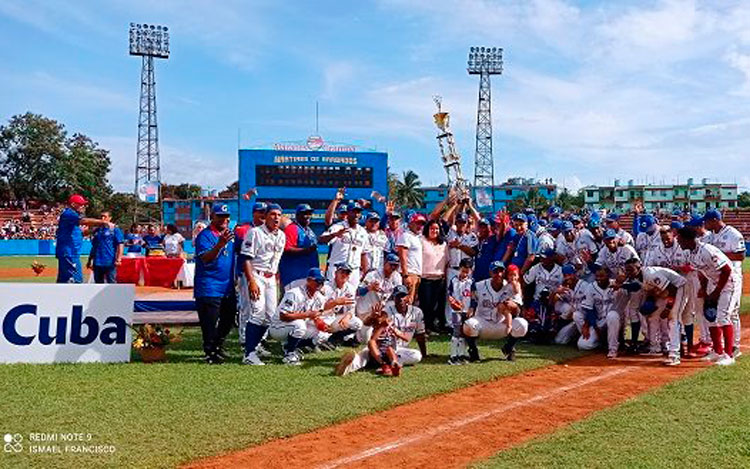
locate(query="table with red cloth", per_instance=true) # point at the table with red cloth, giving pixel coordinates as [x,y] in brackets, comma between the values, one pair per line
[154,271]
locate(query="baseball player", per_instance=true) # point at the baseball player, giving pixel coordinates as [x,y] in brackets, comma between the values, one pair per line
[462,244]
[297,318]
[376,287]
[613,222]
[648,238]
[406,318]
[484,316]
[459,300]
[340,297]
[732,244]
[566,245]
[589,242]
[261,250]
[719,291]
[240,231]
[695,303]
[348,241]
[598,315]
[566,300]
[667,290]
[546,235]
[377,242]
[546,277]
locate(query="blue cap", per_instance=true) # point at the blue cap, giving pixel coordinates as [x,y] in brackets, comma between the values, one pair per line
[274,207]
[568,269]
[593,223]
[392,258]
[260,207]
[712,215]
[301,208]
[461,218]
[341,208]
[497,265]
[556,225]
[400,290]
[353,206]
[554,211]
[575,218]
[542,223]
[613,217]
[519,217]
[549,252]
[316,275]
[567,227]
[220,208]
[695,220]
[610,234]
[647,221]
[676,225]
[344,266]
[373,216]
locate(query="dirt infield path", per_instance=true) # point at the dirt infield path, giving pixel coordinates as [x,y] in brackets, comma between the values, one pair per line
[481,420]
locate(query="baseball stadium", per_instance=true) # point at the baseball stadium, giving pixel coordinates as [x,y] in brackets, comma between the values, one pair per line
[326,309]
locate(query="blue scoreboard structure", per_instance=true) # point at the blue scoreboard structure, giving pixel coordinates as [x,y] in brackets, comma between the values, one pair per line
[293,174]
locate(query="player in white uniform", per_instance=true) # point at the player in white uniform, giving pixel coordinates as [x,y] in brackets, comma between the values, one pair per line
[588,244]
[567,299]
[462,244]
[377,241]
[296,318]
[261,250]
[459,300]
[649,237]
[565,246]
[721,293]
[406,318]
[376,288]
[485,321]
[613,222]
[340,297]
[348,241]
[695,303]
[732,244]
[665,297]
[598,316]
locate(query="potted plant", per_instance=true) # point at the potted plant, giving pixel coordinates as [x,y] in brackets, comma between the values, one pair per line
[151,342]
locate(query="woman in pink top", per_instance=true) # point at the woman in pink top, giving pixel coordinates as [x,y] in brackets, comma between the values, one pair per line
[432,285]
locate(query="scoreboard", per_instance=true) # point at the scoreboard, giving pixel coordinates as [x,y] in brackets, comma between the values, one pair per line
[291,175]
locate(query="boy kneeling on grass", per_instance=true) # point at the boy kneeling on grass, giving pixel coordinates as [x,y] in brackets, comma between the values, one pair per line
[382,346]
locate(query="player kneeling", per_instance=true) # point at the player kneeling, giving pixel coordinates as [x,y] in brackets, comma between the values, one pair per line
[493,313]
[597,315]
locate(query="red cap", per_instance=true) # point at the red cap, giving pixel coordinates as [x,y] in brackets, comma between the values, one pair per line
[417,217]
[77,199]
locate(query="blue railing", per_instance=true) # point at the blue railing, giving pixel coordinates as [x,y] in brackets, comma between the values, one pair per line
[46,247]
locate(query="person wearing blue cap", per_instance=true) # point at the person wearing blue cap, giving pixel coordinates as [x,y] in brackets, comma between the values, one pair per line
[525,244]
[213,289]
[567,300]
[376,287]
[301,248]
[731,242]
[546,277]
[377,242]
[546,236]
[393,227]
[648,236]
[340,296]
[589,242]
[258,292]
[495,242]
[348,242]
[598,317]
[612,221]
[565,245]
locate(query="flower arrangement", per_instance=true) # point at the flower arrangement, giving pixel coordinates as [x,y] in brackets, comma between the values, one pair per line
[151,340]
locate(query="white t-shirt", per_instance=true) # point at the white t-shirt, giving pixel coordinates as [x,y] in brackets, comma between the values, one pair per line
[172,244]
[413,244]
[349,247]
[264,248]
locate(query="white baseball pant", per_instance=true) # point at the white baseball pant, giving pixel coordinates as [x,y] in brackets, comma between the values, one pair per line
[406,357]
[299,328]
[494,330]
[261,311]
[450,273]
[355,323]
[610,322]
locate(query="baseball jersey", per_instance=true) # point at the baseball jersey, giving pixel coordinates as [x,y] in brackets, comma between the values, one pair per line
[375,250]
[599,299]
[659,278]
[586,242]
[615,261]
[455,255]
[487,299]
[264,248]
[409,323]
[543,278]
[626,237]
[366,301]
[349,247]
[662,256]
[461,290]
[545,239]
[331,292]
[413,244]
[645,242]
[567,249]
[729,239]
[709,260]
[576,295]
[296,300]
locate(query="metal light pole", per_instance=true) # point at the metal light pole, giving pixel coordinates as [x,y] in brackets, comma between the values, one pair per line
[484,61]
[148,41]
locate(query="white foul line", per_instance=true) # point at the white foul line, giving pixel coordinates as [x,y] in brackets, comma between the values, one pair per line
[466,421]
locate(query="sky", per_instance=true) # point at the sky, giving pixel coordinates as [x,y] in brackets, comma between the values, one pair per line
[654,91]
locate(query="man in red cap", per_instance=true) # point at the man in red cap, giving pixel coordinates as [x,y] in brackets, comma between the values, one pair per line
[70,239]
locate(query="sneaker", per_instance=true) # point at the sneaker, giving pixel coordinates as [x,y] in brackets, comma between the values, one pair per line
[343,369]
[262,351]
[396,368]
[386,370]
[252,358]
[612,354]
[214,359]
[672,361]
[473,355]
[736,352]
[510,353]
[711,357]
[292,359]
[221,353]
[725,360]
[455,361]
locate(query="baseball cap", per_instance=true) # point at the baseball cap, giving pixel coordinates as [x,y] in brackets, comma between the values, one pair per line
[647,221]
[303,208]
[556,225]
[400,290]
[497,265]
[467,262]
[260,207]
[316,275]
[575,219]
[373,216]
[612,217]
[567,227]
[354,206]
[554,211]
[520,217]
[341,208]
[593,223]
[549,252]
[394,215]
[610,234]
[568,269]
[77,199]
[712,215]
[695,220]
[461,218]
[542,223]
[344,266]
[676,225]
[274,207]
[417,218]
[220,209]
[392,258]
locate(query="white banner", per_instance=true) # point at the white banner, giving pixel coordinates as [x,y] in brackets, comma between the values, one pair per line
[65,323]
[484,198]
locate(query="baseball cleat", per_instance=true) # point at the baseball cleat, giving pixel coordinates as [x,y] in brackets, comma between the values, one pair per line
[343,368]
[736,352]
[464,359]
[510,353]
[262,351]
[672,361]
[725,360]
[612,354]
[473,355]
[455,361]
[711,357]
[292,359]
[252,358]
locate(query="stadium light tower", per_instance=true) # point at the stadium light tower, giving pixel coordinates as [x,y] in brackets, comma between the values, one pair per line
[148,41]
[484,61]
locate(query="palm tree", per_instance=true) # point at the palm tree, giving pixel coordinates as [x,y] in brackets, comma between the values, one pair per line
[407,192]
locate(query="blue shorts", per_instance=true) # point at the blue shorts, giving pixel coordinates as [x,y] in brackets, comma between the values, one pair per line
[69,270]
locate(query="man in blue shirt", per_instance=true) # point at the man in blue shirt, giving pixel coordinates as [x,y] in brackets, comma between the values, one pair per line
[493,244]
[301,249]
[70,238]
[214,292]
[106,252]
[525,244]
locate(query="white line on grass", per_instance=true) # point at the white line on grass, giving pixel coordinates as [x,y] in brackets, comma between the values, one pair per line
[466,421]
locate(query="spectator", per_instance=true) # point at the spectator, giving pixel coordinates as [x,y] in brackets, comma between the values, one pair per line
[152,239]
[432,282]
[301,248]
[106,251]
[133,239]
[409,246]
[174,242]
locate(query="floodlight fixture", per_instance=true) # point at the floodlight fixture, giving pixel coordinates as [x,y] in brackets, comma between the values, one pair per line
[485,60]
[149,40]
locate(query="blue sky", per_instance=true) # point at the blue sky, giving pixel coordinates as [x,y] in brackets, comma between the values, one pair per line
[592,91]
